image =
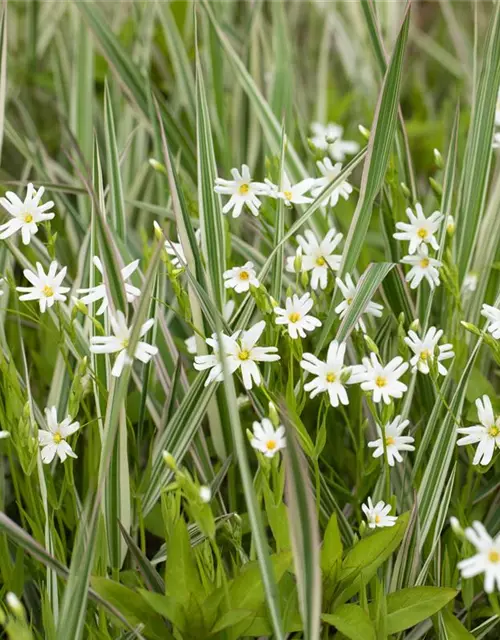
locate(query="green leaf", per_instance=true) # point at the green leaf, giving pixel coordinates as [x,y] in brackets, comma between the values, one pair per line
[167,607]
[135,609]
[113,163]
[331,550]
[408,607]
[304,532]
[455,630]
[181,574]
[151,576]
[352,621]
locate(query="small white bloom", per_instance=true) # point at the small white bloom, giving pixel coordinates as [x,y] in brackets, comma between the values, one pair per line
[14,603]
[493,315]
[348,290]
[318,257]
[422,267]
[191,344]
[469,284]
[241,278]
[266,439]
[378,515]
[4,435]
[329,172]
[46,287]
[324,135]
[420,229]
[382,380]
[243,353]
[243,191]
[25,215]
[330,376]
[295,316]
[53,441]
[175,249]
[227,312]
[487,558]
[425,348]
[118,343]
[340,148]
[394,441]
[486,435]
[205,494]
[291,194]
[94,294]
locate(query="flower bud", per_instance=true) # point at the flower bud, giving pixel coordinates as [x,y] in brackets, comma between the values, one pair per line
[468,326]
[169,460]
[297,263]
[273,414]
[455,526]
[405,190]
[158,231]
[436,187]
[450,225]
[370,344]
[79,307]
[205,494]
[415,325]
[438,159]
[364,131]
[14,604]
[157,166]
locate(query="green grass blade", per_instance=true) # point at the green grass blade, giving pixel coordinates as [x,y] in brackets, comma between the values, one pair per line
[117,204]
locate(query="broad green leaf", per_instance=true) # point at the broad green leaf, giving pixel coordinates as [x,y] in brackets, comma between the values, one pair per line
[331,550]
[181,574]
[152,578]
[408,607]
[455,630]
[167,607]
[352,621]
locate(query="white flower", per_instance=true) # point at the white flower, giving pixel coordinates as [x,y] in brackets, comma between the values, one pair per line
[487,558]
[4,435]
[205,494]
[324,135]
[213,361]
[227,312]
[266,439]
[382,381]
[420,229]
[295,316]
[331,376]
[291,194]
[317,257]
[99,292]
[394,441]
[241,278]
[348,290]
[422,267]
[25,215]
[242,191]
[493,315]
[329,173]
[175,249]
[378,515]
[243,353]
[46,287]
[118,343]
[53,441]
[486,435]
[425,348]
[469,285]
[340,148]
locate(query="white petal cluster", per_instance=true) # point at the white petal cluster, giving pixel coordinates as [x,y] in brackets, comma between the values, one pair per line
[330,376]
[295,316]
[267,439]
[330,172]
[486,434]
[381,380]
[378,516]
[391,441]
[53,441]
[329,138]
[241,278]
[427,351]
[349,289]
[317,257]
[487,558]
[46,287]
[493,315]
[25,214]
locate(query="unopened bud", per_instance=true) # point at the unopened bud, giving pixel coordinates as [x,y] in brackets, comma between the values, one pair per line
[273,414]
[455,526]
[169,460]
[450,225]
[436,187]
[415,325]
[370,344]
[438,159]
[405,190]
[157,166]
[205,494]
[14,604]
[364,131]
[304,279]
[79,306]
[471,328]
[297,263]
[158,231]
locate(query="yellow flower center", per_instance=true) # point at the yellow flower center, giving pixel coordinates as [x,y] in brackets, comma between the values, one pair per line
[48,292]
[288,195]
[389,440]
[377,519]
[422,233]
[271,445]
[320,261]
[494,556]
[125,343]
[243,189]
[58,437]
[425,355]
[28,218]
[294,317]
[424,263]
[380,381]
[331,377]
[494,431]
[349,301]
[244,275]
[244,354]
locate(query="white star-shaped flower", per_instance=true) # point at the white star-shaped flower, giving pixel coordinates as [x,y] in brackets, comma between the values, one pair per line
[296,316]
[291,194]
[53,441]
[118,343]
[26,215]
[324,135]
[394,441]
[382,381]
[318,257]
[487,558]
[267,439]
[420,229]
[243,191]
[426,350]
[493,315]
[241,278]
[329,172]
[378,516]
[423,267]
[341,148]
[330,376]
[46,287]
[94,294]
[213,361]
[486,435]
[227,312]
[349,289]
